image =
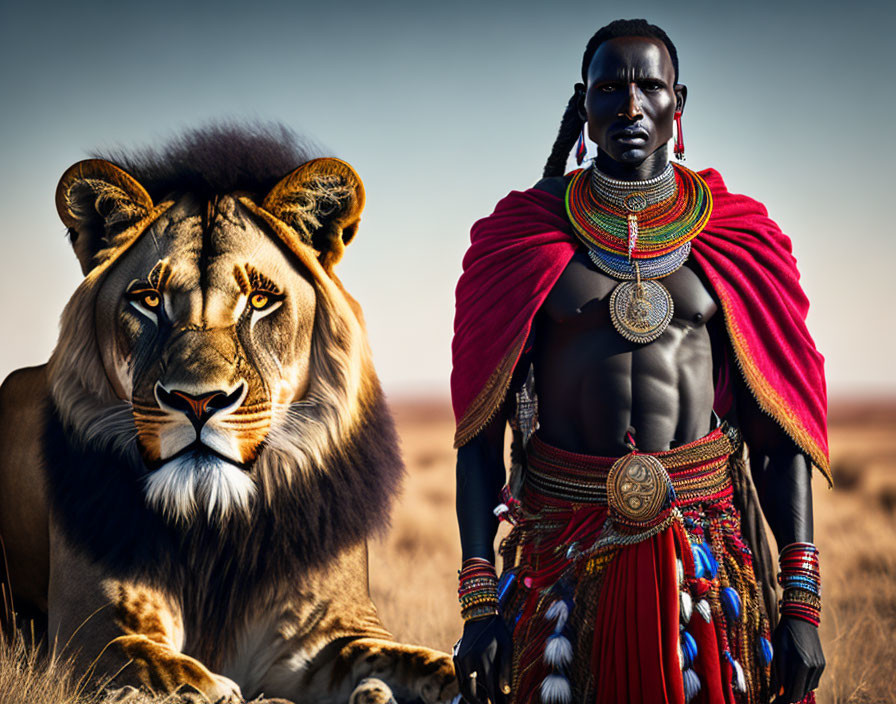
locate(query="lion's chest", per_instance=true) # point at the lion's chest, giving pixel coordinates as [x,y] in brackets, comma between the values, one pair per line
[262,648]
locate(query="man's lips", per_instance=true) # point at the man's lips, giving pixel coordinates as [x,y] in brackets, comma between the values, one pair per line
[631,135]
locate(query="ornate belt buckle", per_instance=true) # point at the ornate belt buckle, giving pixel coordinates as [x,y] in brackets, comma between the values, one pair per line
[638,488]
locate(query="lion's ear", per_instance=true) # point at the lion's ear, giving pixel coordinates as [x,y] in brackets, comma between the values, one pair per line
[322,200]
[96,200]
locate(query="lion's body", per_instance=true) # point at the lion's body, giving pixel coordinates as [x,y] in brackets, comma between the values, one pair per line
[187,487]
[24,518]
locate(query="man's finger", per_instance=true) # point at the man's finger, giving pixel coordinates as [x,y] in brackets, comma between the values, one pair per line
[816,676]
[465,691]
[506,655]
[795,689]
[465,683]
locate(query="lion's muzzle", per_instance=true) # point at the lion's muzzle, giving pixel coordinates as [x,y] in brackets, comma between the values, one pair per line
[198,408]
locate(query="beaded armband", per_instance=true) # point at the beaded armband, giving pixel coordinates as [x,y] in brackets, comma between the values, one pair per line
[800,579]
[477,589]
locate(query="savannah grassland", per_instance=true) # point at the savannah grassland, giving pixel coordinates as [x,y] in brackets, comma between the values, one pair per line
[413,569]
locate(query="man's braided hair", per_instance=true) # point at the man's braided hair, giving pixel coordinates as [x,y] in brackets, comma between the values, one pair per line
[572,123]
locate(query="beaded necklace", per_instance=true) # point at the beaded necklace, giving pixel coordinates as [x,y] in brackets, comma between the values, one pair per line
[639,231]
[638,219]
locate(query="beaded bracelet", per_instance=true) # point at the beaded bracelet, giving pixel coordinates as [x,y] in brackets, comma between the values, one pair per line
[477,589]
[800,579]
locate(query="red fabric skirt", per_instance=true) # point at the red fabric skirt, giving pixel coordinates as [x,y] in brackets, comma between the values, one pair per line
[622,585]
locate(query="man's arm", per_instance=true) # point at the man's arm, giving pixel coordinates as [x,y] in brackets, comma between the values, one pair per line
[483,654]
[782,474]
[480,476]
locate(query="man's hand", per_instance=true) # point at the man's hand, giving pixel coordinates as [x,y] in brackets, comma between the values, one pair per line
[482,661]
[798,661]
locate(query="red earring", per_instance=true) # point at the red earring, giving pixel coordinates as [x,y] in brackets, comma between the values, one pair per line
[679,137]
[581,149]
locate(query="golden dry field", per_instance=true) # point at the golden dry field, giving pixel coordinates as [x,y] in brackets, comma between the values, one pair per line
[413,569]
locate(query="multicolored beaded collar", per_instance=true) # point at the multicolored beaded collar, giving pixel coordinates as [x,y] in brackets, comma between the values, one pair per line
[638,219]
[638,231]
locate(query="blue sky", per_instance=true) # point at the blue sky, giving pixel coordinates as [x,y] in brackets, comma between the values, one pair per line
[443,108]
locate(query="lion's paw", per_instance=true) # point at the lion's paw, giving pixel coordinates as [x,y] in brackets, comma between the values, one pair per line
[221,690]
[372,691]
[225,691]
[440,687]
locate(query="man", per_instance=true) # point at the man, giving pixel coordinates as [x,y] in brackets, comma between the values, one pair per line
[647,301]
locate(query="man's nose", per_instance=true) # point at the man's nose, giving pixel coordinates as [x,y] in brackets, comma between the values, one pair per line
[632,106]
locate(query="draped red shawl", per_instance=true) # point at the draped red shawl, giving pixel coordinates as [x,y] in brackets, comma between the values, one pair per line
[518,252]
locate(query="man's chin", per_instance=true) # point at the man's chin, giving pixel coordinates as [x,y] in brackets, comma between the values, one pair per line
[198,482]
[632,157]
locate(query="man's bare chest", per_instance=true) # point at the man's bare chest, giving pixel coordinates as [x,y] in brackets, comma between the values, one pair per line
[581,296]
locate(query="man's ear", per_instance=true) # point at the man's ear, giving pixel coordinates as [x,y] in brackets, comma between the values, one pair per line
[322,200]
[95,200]
[681,96]
[580,101]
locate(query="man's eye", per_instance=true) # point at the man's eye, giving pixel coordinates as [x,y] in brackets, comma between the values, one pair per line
[261,300]
[653,86]
[607,88]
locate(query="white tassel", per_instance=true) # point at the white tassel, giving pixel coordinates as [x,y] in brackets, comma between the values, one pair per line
[738,680]
[558,612]
[500,510]
[687,606]
[680,657]
[679,570]
[691,684]
[703,609]
[558,651]
[555,689]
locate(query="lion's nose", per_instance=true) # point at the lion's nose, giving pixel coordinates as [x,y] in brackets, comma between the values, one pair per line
[199,407]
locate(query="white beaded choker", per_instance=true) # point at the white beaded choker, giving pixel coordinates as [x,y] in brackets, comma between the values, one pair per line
[634,196]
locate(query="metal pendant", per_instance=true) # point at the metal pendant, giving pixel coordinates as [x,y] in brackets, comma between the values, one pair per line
[637,488]
[640,310]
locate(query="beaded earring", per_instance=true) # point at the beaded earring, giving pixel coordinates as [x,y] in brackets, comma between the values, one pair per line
[581,149]
[679,137]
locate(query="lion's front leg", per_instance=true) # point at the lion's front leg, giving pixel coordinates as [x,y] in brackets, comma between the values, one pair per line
[161,669]
[123,633]
[411,671]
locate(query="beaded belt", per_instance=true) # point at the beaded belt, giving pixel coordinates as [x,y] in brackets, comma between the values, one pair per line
[639,485]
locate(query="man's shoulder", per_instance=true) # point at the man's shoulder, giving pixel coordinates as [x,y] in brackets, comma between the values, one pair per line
[555,185]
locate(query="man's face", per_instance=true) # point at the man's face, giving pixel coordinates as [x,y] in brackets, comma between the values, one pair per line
[631,98]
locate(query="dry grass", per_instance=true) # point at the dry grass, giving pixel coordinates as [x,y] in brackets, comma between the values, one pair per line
[26,675]
[413,570]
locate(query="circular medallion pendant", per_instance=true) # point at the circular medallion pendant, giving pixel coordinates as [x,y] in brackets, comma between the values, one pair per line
[635,202]
[640,311]
[637,487]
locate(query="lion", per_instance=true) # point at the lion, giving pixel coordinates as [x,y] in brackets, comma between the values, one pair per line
[188,485]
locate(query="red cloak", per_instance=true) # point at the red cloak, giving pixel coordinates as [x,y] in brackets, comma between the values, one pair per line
[518,252]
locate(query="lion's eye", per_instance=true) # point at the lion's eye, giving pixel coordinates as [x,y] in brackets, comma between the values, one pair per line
[261,300]
[148,298]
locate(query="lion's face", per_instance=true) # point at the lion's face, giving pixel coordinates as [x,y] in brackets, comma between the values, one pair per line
[205,325]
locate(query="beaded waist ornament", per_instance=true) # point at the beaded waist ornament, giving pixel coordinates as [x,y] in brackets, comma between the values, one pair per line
[639,231]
